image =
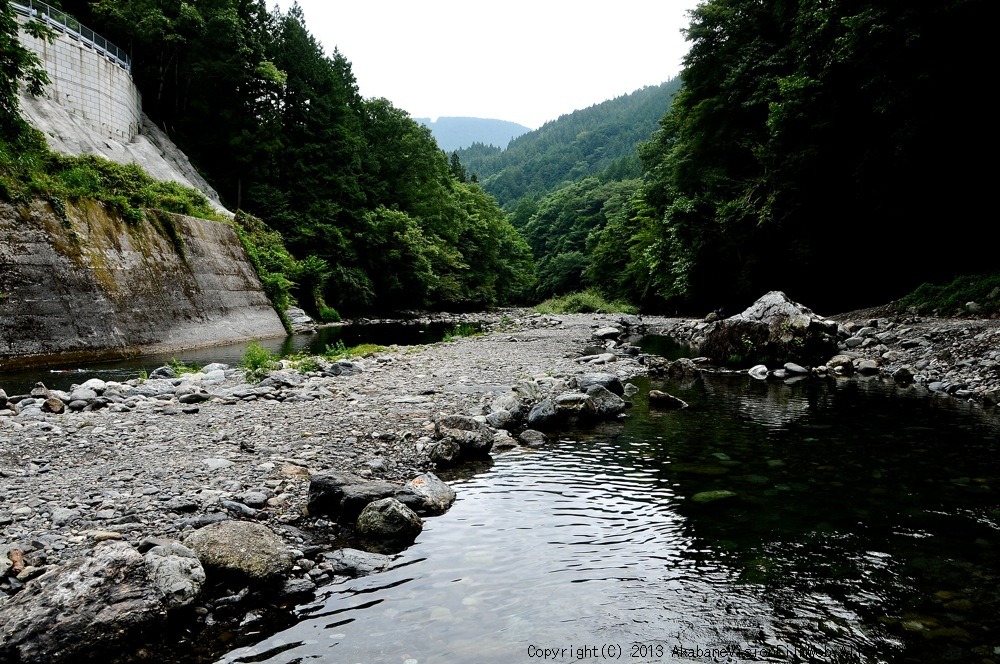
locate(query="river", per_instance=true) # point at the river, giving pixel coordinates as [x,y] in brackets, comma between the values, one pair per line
[846,521]
[58,376]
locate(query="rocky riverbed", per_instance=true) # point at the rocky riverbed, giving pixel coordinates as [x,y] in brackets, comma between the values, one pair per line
[133,476]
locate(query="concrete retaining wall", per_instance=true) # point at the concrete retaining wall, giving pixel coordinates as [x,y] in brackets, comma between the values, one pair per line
[89,84]
[87,285]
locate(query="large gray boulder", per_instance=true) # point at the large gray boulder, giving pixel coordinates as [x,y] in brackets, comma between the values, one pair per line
[101,602]
[243,549]
[772,331]
[474,438]
[388,521]
[177,572]
[433,495]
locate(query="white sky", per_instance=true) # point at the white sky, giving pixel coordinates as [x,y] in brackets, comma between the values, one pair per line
[527,61]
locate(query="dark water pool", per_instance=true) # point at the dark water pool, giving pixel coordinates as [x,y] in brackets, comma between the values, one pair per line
[812,522]
[384,334]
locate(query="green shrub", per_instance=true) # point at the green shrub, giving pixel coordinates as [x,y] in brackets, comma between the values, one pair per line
[181,368]
[461,330]
[329,315]
[340,351]
[951,298]
[304,363]
[257,361]
[586,302]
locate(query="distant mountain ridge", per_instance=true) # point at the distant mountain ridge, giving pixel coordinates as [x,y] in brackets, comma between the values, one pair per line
[600,139]
[455,133]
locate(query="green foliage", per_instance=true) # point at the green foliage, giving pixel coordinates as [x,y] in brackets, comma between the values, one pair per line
[375,214]
[29,171]
[565,229]
[18,66]
[461,330]
[340,351]
[951,298]
[257,361]
[589,301]
[180,368]
[797,120]
[304,363]
[582,144]
[328,314]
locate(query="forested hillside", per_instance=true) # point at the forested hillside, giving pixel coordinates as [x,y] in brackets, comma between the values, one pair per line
[577,145]
[832,150]
[360,193]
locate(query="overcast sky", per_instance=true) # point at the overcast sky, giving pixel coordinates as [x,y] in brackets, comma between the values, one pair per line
[528,61]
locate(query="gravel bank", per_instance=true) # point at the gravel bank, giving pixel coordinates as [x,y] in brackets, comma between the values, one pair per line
[163,468]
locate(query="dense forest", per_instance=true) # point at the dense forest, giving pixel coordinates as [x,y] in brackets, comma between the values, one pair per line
[360,193]
[577,145]
[833,149]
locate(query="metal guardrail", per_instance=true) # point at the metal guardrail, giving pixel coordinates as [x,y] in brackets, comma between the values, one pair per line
[63,22]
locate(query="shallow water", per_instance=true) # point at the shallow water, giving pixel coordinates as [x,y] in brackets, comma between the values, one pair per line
[862,526]
[61,377]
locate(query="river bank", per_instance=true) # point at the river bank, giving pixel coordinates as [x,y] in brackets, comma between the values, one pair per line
[158,468]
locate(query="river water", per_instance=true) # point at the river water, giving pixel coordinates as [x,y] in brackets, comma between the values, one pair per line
[61,377]
[845,521]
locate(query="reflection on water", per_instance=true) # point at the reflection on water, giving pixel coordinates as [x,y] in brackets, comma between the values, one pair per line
[383,334]
[828,522]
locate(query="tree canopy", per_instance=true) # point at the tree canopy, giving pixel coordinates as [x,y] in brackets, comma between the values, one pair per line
[356,188]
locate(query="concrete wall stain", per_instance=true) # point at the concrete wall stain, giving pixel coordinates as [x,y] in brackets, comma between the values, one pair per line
[102,287]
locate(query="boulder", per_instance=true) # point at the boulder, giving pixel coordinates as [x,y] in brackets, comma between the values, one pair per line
[532,438]
[177,572]
[474,438]
[389,521]
[243,549]
[354,562]
[606,403]
[542,414]
[772,331]
[663,400]
[92,604]
[343,495]
[435,497]
[608,381]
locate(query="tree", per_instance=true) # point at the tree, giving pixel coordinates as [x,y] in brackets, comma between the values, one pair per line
[17,65]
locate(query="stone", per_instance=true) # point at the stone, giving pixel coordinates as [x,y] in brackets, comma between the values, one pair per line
[177,572]
[903,375]
[475,439]
[389,521]
[796,369]
[532,438]
[661,399]
[773,330]
[712,496]
[608,381]
[241,548]
[574,403]
[844,362]
[607,333]
[53,405]
[343,496]
[435,496]
[866,367]
[606,403]
[354,562]
[758,371]
[443,452]
[542,414]
[98,603]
